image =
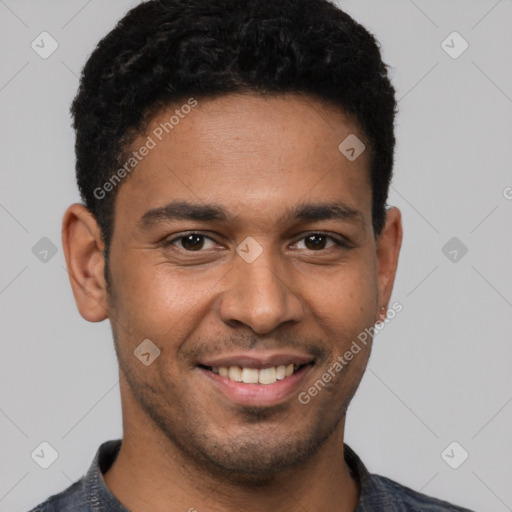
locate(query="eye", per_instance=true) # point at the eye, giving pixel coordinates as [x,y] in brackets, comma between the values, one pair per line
[191,242]
[318,241]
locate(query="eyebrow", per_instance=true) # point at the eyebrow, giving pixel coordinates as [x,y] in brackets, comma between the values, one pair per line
[184,210]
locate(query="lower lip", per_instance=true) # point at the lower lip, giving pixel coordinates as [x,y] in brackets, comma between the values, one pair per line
[258,394]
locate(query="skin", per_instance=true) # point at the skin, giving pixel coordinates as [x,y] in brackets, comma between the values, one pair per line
[185,445]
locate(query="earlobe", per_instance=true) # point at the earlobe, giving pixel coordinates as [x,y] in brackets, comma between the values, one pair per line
[388,250]
[83,249]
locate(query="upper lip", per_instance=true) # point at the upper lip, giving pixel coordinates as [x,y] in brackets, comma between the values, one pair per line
[258,359]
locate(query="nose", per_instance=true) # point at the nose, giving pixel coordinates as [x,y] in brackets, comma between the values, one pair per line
[260,296]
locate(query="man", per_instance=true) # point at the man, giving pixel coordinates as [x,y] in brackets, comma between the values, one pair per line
[234,160]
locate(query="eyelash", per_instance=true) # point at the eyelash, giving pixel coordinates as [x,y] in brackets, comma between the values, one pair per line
[338,241]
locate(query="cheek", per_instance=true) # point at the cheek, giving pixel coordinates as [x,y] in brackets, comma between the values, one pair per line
[344,300]
[156,299]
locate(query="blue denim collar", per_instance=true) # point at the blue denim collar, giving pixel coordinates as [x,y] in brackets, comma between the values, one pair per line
[99,496]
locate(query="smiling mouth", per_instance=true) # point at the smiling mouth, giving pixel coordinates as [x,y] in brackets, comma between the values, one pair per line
[264,376]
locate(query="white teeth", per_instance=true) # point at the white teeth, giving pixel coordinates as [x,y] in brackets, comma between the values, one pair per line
[249,375]
[267,376]
[281,372]
[255,376]
[235,373]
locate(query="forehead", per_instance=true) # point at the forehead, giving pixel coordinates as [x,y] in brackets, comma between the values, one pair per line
[249,153]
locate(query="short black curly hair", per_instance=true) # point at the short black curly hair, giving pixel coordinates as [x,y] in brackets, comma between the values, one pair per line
[163,51]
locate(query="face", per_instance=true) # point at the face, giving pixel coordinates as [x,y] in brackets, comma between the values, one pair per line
[244,238]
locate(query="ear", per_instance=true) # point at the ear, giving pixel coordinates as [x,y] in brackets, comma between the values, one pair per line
[83,248]
[388,249]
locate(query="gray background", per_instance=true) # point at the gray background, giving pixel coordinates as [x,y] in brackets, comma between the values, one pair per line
[440,371]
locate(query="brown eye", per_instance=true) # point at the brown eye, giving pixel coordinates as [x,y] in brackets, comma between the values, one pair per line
[315,241]
[192,242]
[319,241]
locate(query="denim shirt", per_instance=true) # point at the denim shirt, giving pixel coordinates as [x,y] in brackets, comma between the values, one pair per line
[377,493]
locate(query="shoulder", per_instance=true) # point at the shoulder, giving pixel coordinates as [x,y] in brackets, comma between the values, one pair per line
[71,499]
[85,494]
[400,498]
[380,493]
